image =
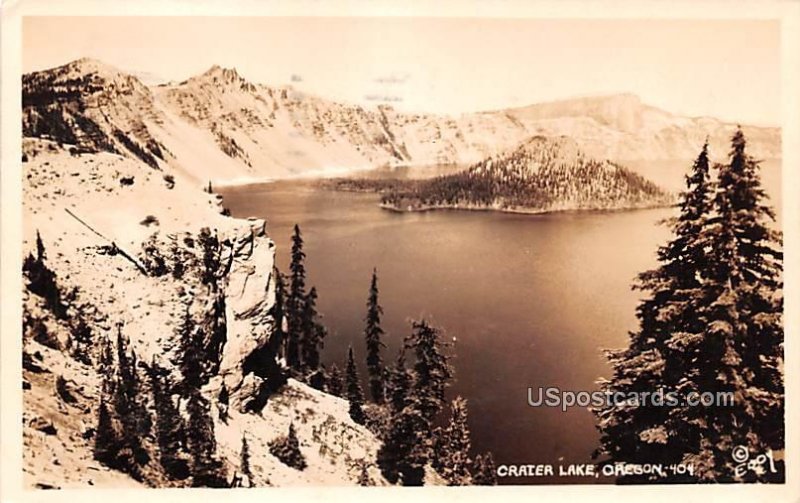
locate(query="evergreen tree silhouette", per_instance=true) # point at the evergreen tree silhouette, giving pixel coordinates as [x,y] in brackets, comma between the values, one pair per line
[711,322]
[295,304]
[106,439]
[399,383]
[432,370]
[355,394]
[287,450]
[207,470]
[335,384]
[452,445]
[244,462]
[170,429]
[484,472]
[312,334]
[373,333]
[404,453]
[131,409]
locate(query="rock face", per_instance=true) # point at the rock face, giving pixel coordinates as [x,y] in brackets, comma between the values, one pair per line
[219,126]
[132,257]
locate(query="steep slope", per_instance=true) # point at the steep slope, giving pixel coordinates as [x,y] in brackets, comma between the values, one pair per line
[104,220]
[219,126]
[542,174]
[92,106]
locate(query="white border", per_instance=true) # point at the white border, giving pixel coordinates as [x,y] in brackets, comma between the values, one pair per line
[11,223]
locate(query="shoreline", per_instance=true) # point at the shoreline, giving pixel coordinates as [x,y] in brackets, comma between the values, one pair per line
[520,211]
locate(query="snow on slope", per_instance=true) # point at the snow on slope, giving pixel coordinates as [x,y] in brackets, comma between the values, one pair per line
[242,130]
[81,202]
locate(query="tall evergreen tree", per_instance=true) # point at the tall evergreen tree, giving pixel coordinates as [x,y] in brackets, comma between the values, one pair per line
[743,350]
[106,437]
[312,334]
[711,322]
[207,470]
[668,314]
[277,340]
[335,385]
[131,410]
[295,304]
[432,370]
[244,462]
[373,333]
[407,448]
[399,383]
[355,395]
[452,445]
[190,354]
[405,451]
[170,429]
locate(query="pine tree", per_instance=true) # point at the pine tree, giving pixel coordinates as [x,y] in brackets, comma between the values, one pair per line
[244,462]
[82,341]
[287,450]
[671,318]
[295,304]
[399,383]
[432,370]
[131,410]
[106,438]
[405,451]
[743,350]
[277,339]
[312,334]
[452,445]
[373,333]
[170,430]
[363,477]
[40,252]
[209,244]
[355,395]
[207,470]
[216,326]
[711,322]
[484,472]
[190,353]
[335,384]
[43,281]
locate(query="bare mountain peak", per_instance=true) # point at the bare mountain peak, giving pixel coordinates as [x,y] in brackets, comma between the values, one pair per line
[81,67]
[222,75]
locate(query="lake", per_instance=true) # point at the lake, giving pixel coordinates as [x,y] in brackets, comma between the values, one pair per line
[527,300]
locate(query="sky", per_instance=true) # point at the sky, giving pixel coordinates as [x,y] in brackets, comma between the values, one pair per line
[729,69]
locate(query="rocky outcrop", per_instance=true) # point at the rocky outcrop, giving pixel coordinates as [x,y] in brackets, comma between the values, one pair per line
[138,258]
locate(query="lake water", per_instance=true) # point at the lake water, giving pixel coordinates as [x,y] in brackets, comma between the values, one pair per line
[529,301]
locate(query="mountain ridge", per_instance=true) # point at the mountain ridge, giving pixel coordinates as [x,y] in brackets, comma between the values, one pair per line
[260,131]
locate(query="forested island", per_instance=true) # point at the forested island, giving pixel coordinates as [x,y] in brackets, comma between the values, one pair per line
[540,175]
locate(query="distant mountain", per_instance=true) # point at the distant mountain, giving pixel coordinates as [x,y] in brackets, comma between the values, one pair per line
[540,175]
[217,125]
[620,127]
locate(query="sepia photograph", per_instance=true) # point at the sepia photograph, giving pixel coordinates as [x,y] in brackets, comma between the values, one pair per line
[320,251]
